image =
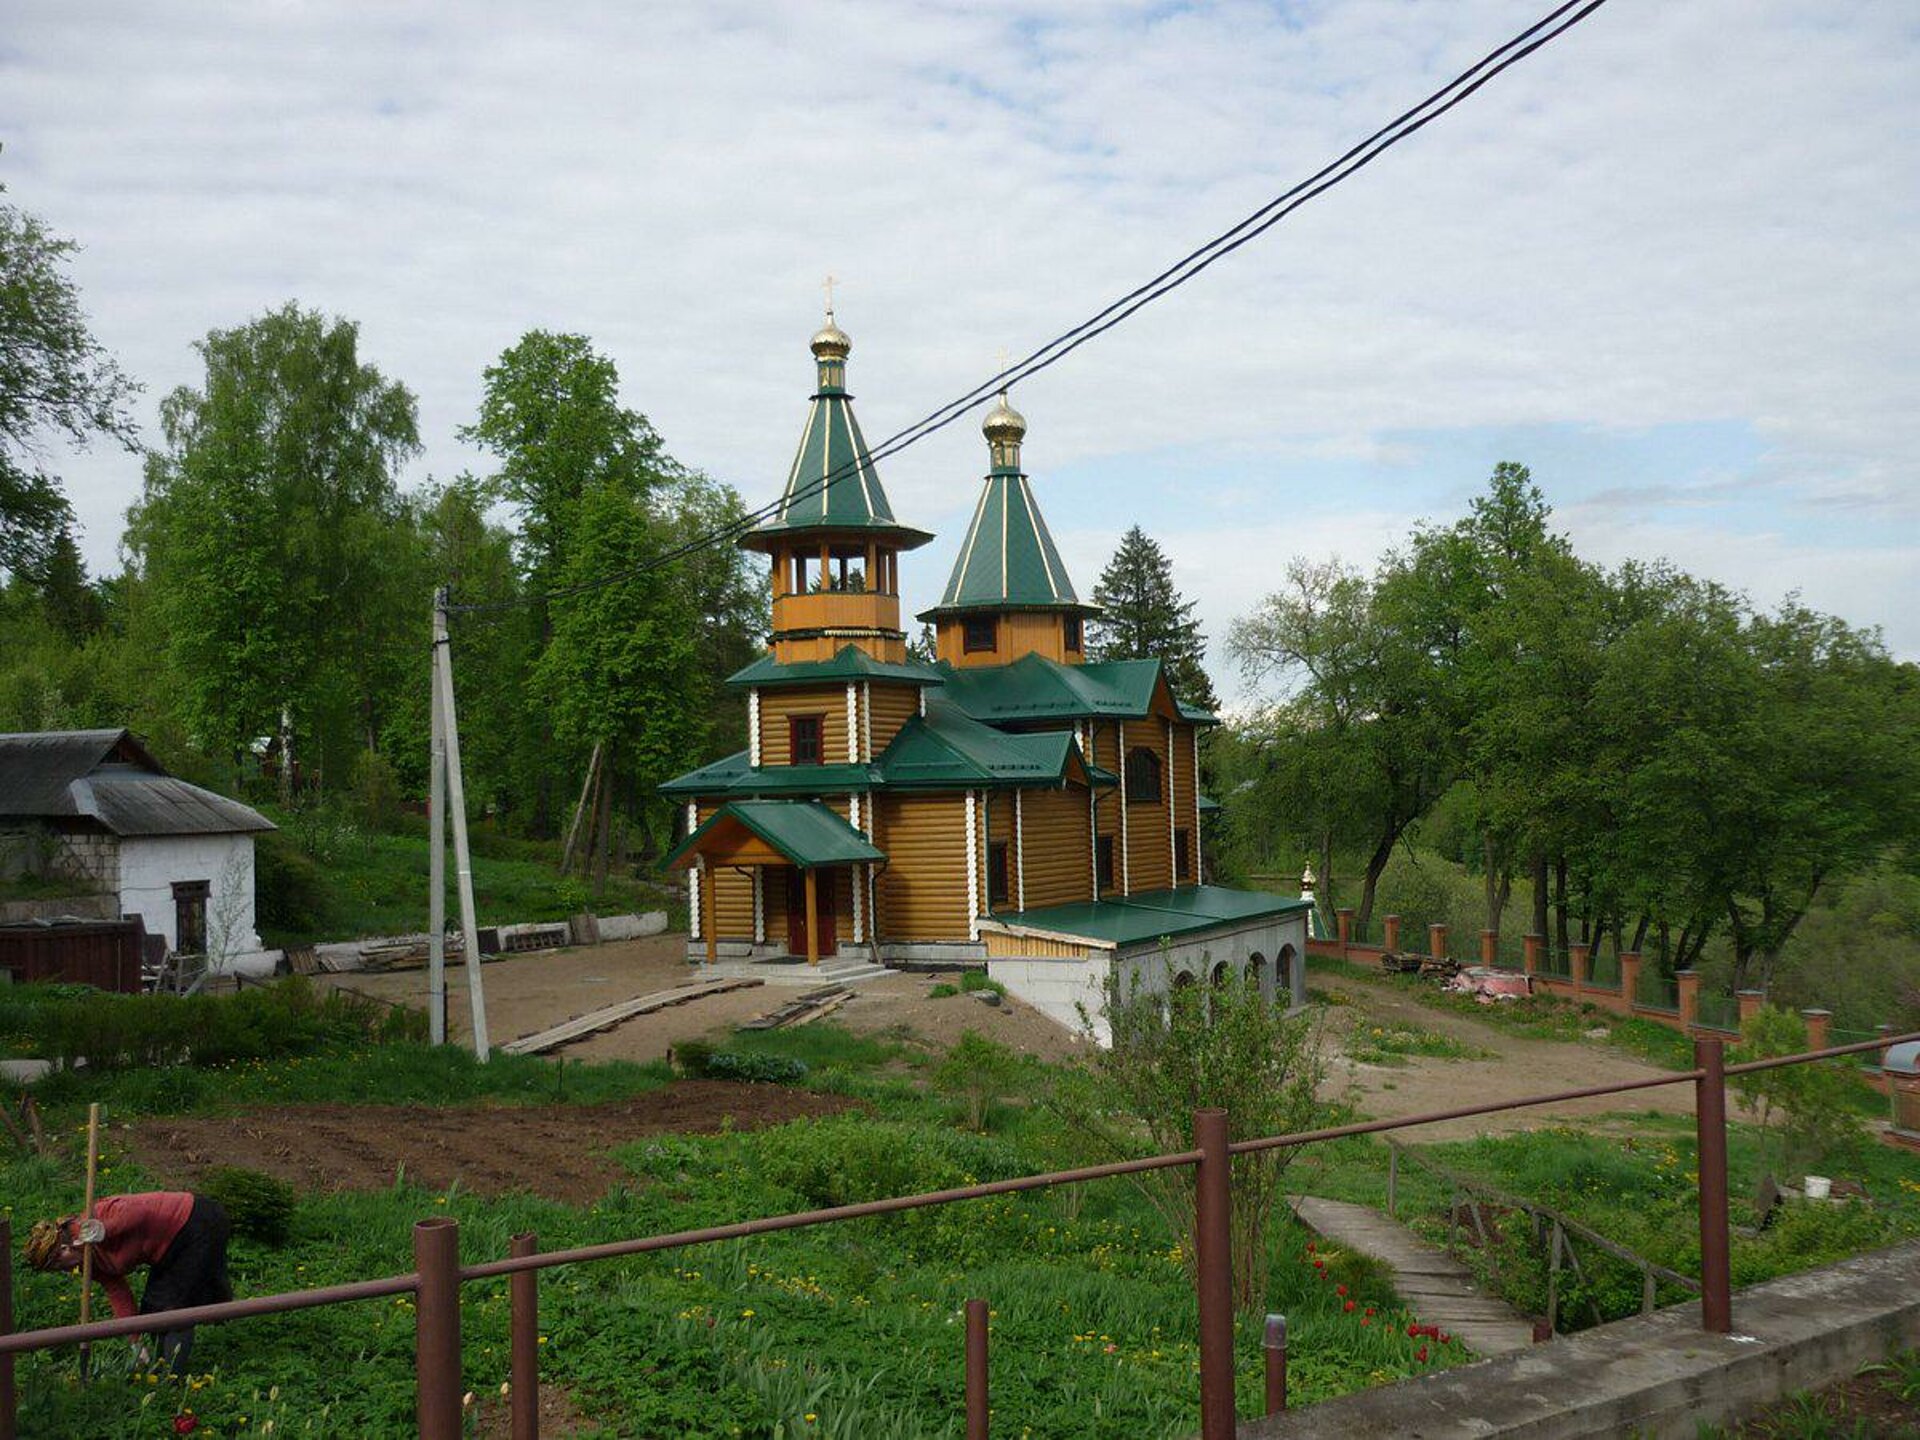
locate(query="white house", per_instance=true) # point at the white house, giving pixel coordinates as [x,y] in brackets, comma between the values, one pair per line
[95,808]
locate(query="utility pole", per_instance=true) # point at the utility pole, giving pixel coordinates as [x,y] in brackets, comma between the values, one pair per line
[457,803]
[437,848]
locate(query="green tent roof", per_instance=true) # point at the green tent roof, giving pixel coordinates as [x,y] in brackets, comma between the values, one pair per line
[1152,915]
[833,486]
[945,749]
[1036,688]
[733,776]
[1008,560]
[851,663]
[806,833]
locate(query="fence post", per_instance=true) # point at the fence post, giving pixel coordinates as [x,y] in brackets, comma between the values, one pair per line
[1686,992]
[1213,1258]
[1343,927]
[1630,978]
[1751,1002]
[1391,926]
[1530,953]
[523,1302]
[9,1402]
[1578,964]
[1489,948]
[1437,941]
[436,1328]
[1710,1120]
[977,1407]
[1274,1342]
[1819,1023]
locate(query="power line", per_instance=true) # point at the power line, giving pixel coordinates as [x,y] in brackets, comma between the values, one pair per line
[1541,33]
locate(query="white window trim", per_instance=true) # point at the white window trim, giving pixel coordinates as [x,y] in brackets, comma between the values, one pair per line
[1173,859]
[1120,754]
[699,868]
[759,905]
[853,723]
[1019,856]
[973,869]
[753,727]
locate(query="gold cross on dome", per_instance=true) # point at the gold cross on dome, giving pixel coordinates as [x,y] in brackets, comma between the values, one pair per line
[1002,359]
[828,287]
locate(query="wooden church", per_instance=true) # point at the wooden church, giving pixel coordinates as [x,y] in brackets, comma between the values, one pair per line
[1012,803]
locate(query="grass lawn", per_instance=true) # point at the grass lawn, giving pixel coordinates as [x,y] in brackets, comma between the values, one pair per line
[348,881]
[848,1330]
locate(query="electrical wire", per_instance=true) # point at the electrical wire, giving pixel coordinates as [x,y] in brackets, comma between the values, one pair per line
[1410,122]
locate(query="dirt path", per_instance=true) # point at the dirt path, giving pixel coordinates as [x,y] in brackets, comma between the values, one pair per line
[1520,1067]
[528,993]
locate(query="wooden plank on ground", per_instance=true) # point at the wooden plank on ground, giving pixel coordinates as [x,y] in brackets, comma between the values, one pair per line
[608,1016]
[801,1009]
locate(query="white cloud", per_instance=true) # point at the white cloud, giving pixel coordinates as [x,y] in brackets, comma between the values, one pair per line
[1679,213]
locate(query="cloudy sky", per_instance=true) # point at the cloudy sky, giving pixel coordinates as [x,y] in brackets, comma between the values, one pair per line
[1669,262]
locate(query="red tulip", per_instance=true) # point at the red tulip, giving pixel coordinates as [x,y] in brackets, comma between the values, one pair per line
[1339,1289]
[185,1423]
[1349,1305]
[1421,1354]
[1413,1332]
[1442,1336]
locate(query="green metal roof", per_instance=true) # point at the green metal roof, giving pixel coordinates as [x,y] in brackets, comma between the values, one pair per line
[1036,688]
[1207,805]
[832,450]
[1008,560]
[945,749]
[805,833]
[851,663]
[1153,915]
[733,776]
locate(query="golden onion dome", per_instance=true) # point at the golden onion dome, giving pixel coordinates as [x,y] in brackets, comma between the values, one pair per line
[830,341]
[1003,422]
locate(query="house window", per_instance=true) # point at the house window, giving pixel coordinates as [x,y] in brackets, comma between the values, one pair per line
[980,633]
[997,887]
[1182,857]
[1071,624]
[190,917]
[1143,776]
[803,739]
[1103,863]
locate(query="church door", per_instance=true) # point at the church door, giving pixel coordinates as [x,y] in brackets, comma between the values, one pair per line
[797,911]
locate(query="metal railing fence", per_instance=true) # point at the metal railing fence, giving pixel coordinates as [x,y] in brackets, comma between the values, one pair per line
[437,1277]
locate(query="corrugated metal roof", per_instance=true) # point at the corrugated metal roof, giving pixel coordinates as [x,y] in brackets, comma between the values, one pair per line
[109,777]
[849,663]
[1154,915]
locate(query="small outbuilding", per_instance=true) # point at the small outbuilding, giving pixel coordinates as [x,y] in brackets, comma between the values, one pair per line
[94,809]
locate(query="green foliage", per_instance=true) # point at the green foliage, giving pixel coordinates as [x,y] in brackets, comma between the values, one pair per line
[943,991]
[978,1071]
[1803,1109]
[1200,1047]
[289,888]
[972,982]
[699,1059]
[1391,1044]
[260,1206]
[55,379]
[1146,618]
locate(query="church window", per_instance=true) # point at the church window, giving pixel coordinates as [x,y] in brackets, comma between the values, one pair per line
[1143,776]
[980,633]
[1103,863]
[998,889]
[803,736]
[1182,857]
[1071,624]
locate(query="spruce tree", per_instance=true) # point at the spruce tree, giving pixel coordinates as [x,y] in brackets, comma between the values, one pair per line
[1146,618]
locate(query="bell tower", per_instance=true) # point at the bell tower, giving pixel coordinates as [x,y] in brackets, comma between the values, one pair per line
[834,542]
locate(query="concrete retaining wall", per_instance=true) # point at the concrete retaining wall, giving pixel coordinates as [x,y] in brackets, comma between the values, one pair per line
[1656,1376]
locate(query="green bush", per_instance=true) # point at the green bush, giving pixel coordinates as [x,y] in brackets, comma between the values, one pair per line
[943,991]
[702,1061]
[290,891]
[973,981]
[260,1206]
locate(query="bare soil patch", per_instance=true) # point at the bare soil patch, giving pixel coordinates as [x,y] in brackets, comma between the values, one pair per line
[529,993]
[558,1151]
[1522,1066]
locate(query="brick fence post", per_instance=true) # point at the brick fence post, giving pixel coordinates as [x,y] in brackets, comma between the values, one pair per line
[1750,1003]
[1577,966]
[1489,948]
[1437,941]
[1343,927]
[1392,926]
[1819,1023]
[1530,954]
[1630,977]
[1687,989]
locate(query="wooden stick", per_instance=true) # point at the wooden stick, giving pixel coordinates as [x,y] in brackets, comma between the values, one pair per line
[86,1245]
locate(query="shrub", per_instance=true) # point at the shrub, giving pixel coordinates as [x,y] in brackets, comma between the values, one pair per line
[260,1206]
[845,1160]
[289,888]
[978,1071]
[943,991]
[974,981]
[1803,1109]
[702,1061]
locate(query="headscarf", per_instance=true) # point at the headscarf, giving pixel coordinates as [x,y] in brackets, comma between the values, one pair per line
[43,1243]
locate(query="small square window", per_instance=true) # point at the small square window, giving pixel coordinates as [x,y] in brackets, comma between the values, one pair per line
[1103,863]
[980,634]
[998,890]
[803,735]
